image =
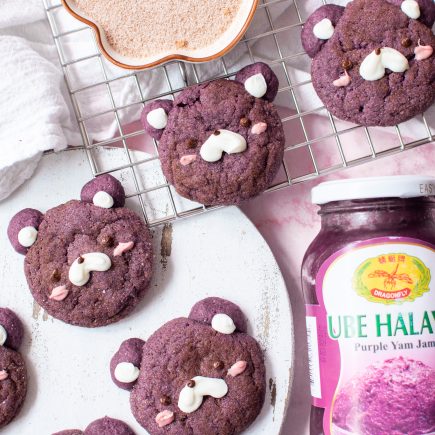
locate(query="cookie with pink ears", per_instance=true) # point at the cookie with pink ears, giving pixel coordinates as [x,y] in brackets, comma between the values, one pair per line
[13,373]
[221,142]
[373,61]
[102,426]
[199,375]
[87,262]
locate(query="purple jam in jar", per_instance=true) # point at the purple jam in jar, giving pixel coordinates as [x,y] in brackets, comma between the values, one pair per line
[369,285]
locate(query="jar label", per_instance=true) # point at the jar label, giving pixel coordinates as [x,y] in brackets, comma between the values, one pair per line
[371,339]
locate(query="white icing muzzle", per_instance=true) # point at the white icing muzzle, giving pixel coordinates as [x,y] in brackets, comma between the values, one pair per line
[157,118]
[411,9]
[27,236]
[225,140]
[324,29]
[223,323]
[103,199]
[373,66]
[256,85]
[191,398]
[80,270]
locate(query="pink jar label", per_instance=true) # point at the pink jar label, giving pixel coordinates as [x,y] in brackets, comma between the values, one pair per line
[371,339]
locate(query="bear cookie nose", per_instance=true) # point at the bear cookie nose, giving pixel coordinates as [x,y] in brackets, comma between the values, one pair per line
[191,396]
[374,65]
[80,270]
[222,141]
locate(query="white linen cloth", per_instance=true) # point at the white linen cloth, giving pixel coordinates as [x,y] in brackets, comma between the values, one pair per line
[34,108]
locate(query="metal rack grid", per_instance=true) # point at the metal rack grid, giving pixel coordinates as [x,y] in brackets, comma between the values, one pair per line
[317,143]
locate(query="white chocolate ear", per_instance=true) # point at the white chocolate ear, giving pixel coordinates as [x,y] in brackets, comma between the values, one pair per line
[256,85]
[223,323]
[3,335]
[324,29]
[411,8]
[126,372]
[27,236]
[157,118]
[103,199]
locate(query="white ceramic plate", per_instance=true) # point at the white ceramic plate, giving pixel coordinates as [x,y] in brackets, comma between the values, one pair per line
[219,254]
[221,46]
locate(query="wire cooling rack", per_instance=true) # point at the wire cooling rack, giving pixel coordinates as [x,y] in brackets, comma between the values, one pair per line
[316,144]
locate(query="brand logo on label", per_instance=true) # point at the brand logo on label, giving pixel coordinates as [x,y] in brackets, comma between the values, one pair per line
[392,278]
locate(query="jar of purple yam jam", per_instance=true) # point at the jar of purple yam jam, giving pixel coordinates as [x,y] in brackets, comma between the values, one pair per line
[369,285]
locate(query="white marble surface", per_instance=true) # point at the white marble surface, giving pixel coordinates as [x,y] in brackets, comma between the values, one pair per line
[220,253]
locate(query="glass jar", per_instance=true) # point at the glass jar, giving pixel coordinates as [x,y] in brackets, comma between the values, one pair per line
[369,285]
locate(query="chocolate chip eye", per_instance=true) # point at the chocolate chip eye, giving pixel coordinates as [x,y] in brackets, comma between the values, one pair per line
[378,51]
[406,42]
[219,365]
[192,143]
[347,64]
[165,400]
[80,260]
[245,122]
[107,241]
[191,383]
[55,275]
[217,133]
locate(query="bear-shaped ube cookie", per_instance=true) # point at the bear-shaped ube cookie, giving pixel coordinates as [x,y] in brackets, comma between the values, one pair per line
[221,142]
[102,426]
[13,373]
[201,375]
[88,262]
[373,61]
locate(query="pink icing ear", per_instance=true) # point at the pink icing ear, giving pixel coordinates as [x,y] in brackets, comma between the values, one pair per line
[155,117]
[204,311]
[104,191]
[11,331]
[125,364]
[23,229]
[327,15]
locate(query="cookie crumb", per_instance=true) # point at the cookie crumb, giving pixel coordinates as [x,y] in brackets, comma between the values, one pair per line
[181,43]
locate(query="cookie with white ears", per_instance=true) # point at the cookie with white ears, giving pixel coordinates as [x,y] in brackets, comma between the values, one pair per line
[221,142]
[102,426]
[87,262]
[13,373]
[373,61]
[202,374]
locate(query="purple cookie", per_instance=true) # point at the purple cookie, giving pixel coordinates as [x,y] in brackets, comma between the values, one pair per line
[373,61]
[13,373]
[221,142]
[193,377]
[103,426]
[69,432]
[88,262]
